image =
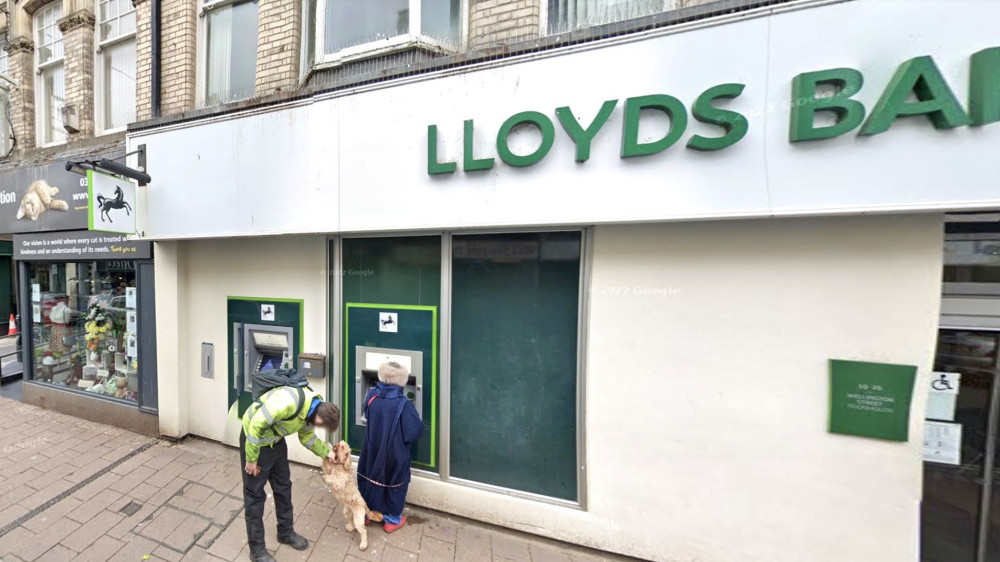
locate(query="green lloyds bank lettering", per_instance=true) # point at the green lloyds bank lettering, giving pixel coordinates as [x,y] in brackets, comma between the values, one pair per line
[917,88]
[921,78]
[433,166]
[583,137]
[471,163]
[984,87]
[669,105]
[734,127]
[734,124]
[535,118]
[848,113]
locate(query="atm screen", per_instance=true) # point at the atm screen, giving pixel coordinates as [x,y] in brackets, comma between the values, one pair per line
[269,361]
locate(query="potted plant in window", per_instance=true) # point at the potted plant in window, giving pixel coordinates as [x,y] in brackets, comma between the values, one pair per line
[99,328]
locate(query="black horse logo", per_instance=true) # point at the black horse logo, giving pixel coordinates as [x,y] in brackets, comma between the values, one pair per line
[118,202]
[387,321]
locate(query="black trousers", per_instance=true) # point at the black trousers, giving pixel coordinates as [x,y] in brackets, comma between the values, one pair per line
[273,465]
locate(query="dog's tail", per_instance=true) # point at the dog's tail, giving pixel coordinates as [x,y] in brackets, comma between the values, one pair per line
[373,515]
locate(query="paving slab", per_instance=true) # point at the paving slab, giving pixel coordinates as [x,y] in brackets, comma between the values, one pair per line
[125,497]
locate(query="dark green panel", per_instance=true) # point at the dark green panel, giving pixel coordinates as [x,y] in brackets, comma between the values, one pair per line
[515,301]
[246,310]
[393,270]
[418,331]
[6,293]
[398,272]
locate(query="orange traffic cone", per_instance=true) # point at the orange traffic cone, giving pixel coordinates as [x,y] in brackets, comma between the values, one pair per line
[12,330]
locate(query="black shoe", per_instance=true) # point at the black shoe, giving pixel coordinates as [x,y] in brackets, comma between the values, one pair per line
[261,555]
[294,540]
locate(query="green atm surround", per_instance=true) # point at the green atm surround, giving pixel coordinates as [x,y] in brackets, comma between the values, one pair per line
[247,310]
[417,331]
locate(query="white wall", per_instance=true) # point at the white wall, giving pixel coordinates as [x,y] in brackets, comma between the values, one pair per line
[172,349]
[287,267]
[707,393]
[357,160]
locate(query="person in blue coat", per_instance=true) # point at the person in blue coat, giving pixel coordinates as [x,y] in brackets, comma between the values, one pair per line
[393,425]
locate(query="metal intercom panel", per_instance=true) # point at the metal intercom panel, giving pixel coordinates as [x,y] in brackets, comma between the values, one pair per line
[207,360]
[265,347]
[366,375]
[312,365]
[238,375]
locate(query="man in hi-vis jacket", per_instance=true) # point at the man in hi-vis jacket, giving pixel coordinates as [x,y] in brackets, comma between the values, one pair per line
[279,412]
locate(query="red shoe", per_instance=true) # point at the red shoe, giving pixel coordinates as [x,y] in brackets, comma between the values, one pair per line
[390,527]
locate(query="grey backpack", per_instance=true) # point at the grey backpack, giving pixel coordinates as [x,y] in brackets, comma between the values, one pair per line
[268,379]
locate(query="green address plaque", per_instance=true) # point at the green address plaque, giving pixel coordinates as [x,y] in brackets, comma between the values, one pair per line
[871,399]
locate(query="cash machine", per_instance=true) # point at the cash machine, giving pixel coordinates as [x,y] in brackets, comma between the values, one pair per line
[366,367]
[263,347]
[378,333]
[263,334]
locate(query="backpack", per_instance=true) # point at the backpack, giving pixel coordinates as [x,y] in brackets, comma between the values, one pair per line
[265,380]
[269,379]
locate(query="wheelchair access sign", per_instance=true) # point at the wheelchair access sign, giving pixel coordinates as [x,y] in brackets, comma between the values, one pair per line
[111,203]
[942,396]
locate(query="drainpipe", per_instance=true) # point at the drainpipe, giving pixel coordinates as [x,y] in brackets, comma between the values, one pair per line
[154,37]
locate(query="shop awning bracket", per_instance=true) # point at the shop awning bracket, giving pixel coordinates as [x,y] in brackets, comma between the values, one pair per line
[110,166]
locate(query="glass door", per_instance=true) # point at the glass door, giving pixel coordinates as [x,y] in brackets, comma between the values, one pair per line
[960,451]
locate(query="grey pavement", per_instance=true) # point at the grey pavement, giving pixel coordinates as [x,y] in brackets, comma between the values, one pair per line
[76,490]
[9,365]
[10,369]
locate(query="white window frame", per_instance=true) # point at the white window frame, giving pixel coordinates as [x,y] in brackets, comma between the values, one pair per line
[5,85]
[665,7]
[385,46]
[99,78]
[5,57]
[5,125]
[201,75]
[40,94]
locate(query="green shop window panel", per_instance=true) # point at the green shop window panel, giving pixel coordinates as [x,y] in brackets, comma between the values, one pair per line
[515,310]
[391,295]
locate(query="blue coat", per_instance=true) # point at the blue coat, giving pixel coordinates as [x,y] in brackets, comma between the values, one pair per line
[393,426]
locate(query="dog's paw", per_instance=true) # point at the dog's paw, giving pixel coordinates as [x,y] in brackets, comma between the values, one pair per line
[349,527]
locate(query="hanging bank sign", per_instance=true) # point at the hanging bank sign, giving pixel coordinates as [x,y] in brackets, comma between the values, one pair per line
[822,106]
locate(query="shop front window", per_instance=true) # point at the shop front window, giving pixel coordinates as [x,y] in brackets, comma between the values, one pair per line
[85,327]
[972,260]
[514,344]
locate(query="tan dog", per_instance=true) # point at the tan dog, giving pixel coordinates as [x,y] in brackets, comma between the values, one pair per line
[343,485]
[40,197]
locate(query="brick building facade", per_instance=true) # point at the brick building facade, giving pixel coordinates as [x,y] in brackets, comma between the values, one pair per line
[200,68]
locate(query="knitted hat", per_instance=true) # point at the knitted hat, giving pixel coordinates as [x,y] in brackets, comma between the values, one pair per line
[393,373]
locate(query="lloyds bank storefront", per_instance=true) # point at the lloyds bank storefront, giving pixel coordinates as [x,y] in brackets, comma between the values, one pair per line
[713,304]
